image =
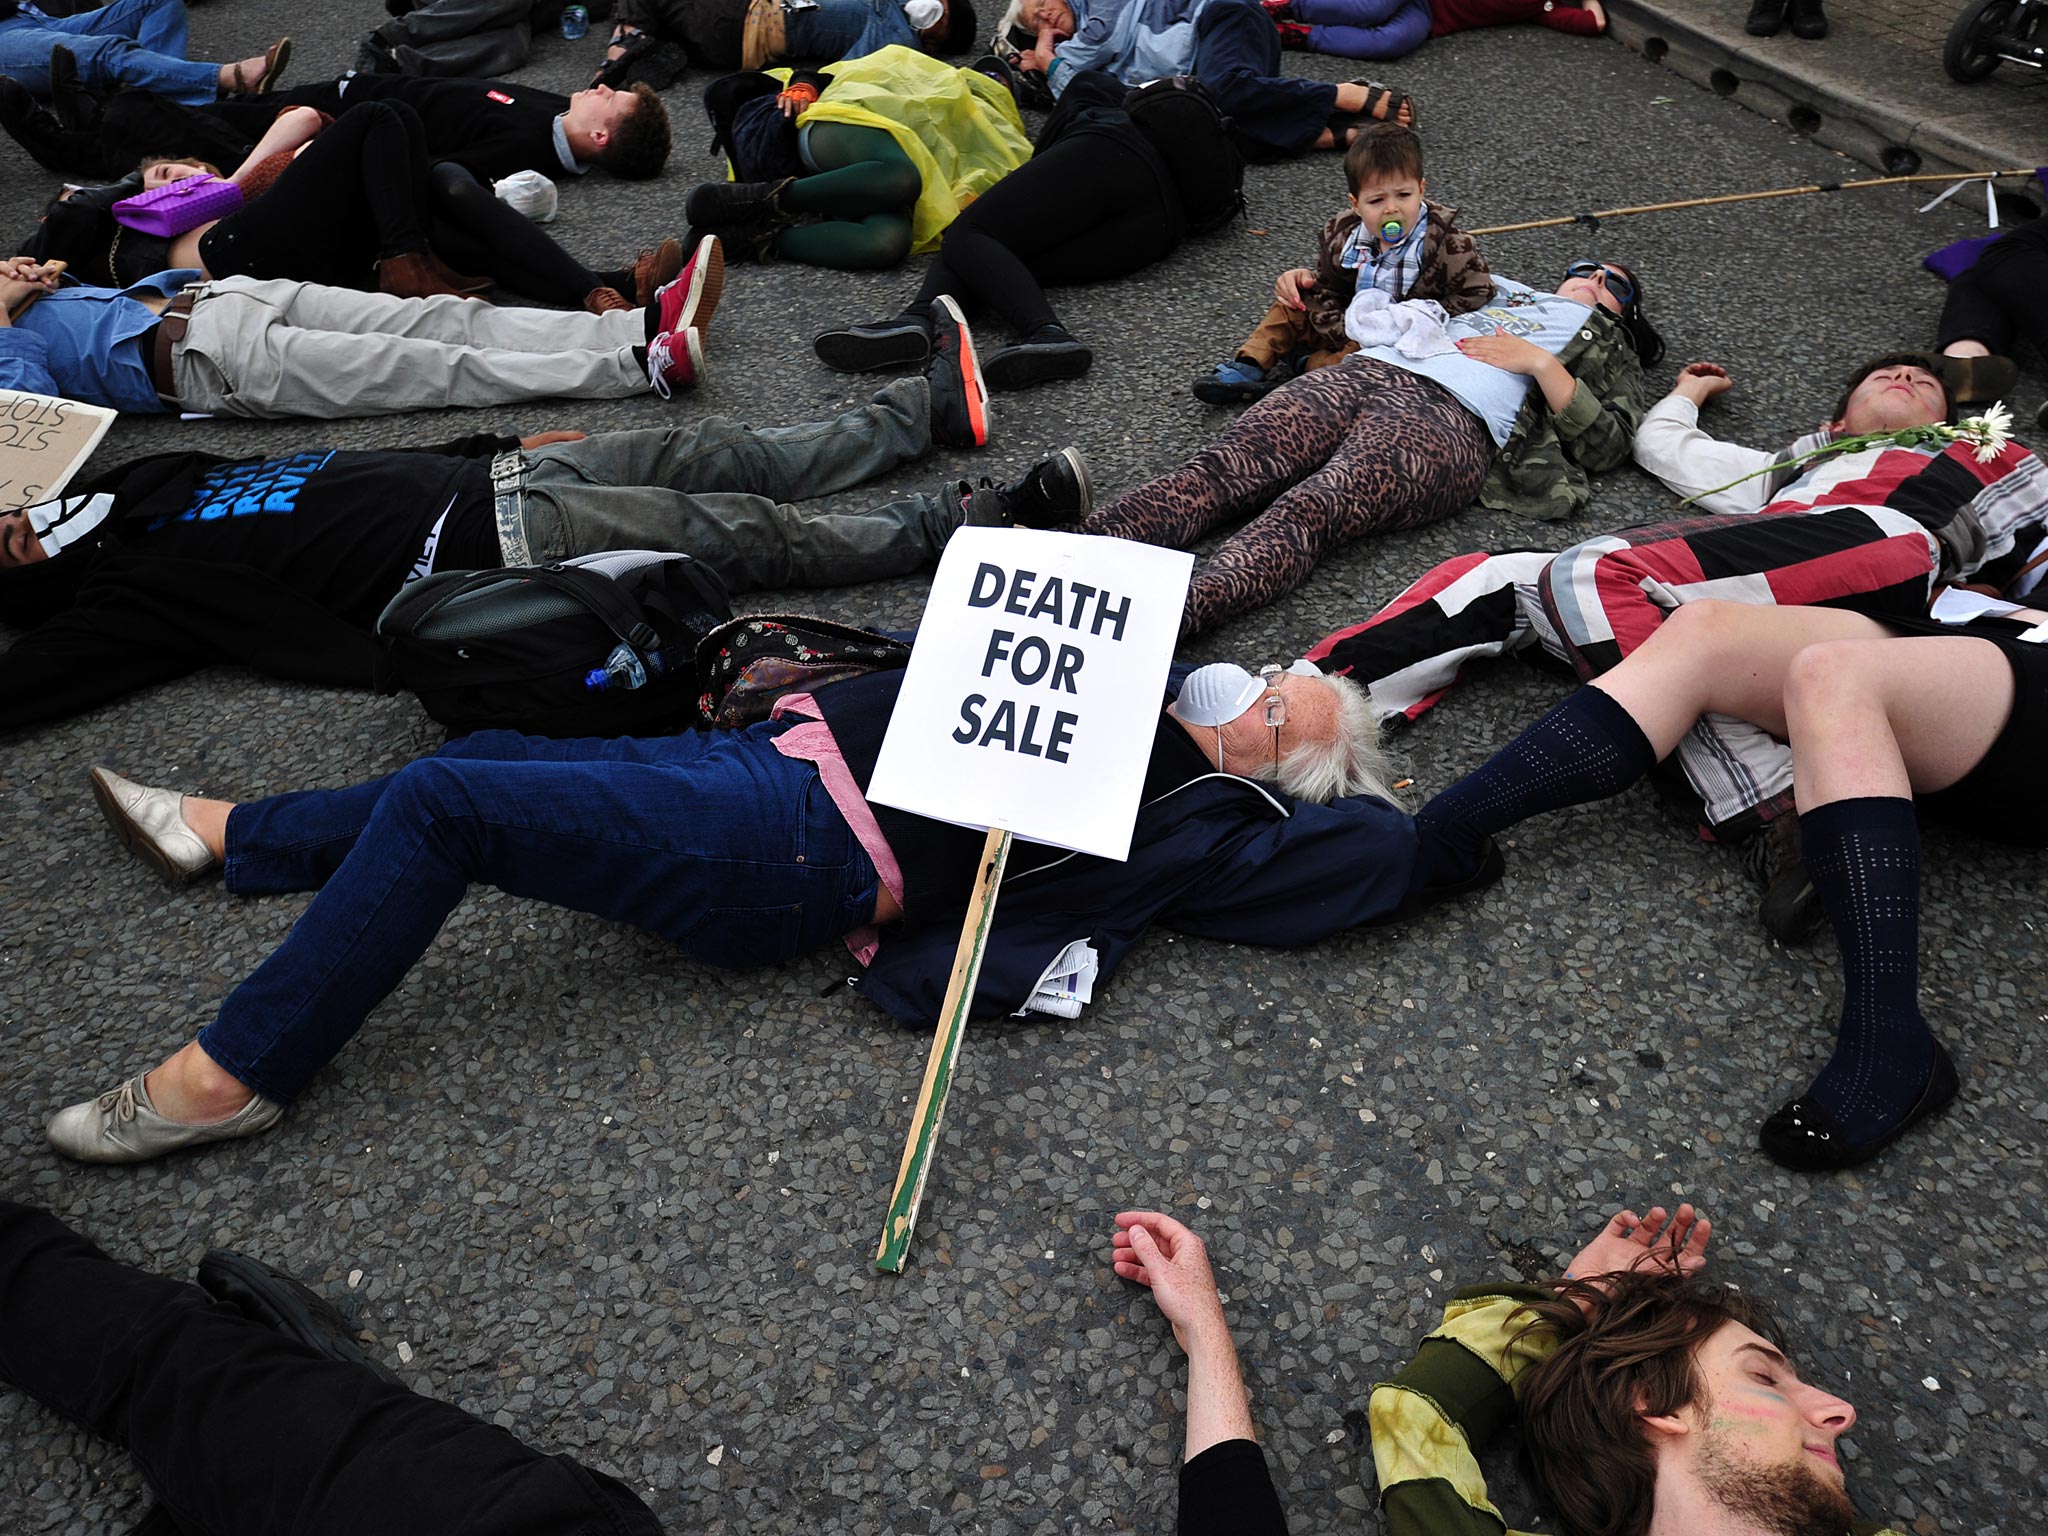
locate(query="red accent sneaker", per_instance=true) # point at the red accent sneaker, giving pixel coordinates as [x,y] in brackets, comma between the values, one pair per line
[688,299]
[675,360]
[1293,35]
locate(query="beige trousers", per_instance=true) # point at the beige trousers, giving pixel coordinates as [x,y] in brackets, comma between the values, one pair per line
[275,348]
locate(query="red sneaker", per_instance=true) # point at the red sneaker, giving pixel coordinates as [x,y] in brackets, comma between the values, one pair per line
[688,299]
[675,360]
[1293,34]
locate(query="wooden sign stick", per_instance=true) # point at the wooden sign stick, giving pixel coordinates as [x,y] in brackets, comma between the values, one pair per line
[938,1068]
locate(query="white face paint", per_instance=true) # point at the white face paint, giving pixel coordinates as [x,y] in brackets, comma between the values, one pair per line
[60,524]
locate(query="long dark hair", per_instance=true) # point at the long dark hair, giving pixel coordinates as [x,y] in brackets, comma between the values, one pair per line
[1648,342]
[1582,1436]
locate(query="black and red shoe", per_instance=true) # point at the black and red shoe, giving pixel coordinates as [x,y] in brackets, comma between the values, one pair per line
[959,395]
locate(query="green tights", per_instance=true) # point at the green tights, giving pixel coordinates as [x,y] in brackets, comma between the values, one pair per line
[864,194]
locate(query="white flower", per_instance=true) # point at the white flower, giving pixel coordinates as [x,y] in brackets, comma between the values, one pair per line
[1990,431]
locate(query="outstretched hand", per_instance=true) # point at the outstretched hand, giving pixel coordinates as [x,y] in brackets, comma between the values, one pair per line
[542,439]
[1659,1242]
[1700,382]
[1168,1259]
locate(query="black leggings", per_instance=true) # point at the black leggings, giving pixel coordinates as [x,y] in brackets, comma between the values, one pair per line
[355,195]
[475,230]
[240,1431]
[1083,210]
[2003,295]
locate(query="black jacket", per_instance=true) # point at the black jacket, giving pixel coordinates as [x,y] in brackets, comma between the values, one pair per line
[110,615]
[490,127]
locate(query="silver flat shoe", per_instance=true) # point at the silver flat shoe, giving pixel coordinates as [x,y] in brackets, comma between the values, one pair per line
[122,1126]
[150,823]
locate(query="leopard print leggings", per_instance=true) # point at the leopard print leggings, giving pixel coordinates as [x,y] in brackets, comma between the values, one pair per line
[1336,454]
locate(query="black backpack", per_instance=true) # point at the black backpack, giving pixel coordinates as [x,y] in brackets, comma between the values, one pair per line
[554,650]
[1184,125]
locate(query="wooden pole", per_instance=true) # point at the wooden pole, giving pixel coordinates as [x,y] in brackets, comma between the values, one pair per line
[901,1221]
[1745,197]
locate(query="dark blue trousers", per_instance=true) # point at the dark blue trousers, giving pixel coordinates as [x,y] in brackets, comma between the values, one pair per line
[712,840]
[1237,57]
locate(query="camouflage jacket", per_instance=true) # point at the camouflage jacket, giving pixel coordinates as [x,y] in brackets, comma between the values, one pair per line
[1546,467]
[1453,273]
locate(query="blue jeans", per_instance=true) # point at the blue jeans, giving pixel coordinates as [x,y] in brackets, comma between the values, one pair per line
[845,29]
[713,841]
[1237,59]
[131,42]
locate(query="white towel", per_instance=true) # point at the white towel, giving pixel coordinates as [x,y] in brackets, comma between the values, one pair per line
[1414,327]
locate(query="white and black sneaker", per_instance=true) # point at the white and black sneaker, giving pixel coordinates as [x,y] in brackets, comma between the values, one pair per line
[1053,493]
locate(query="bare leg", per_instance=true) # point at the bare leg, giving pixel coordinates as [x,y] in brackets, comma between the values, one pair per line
[1902,718]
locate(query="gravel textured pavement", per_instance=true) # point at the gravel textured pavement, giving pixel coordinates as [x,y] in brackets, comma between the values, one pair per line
[626,1205]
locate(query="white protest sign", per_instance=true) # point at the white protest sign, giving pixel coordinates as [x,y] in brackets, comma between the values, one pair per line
[43,441]
[1035,687]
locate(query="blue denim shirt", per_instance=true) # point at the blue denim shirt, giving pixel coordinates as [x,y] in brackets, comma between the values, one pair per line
[79,342]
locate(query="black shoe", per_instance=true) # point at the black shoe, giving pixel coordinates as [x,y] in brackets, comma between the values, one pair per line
[274,1299]
[1053,493]
[76,108]
[48,142]
[1048,353]
[959,396]
[999,69]
[1979,380]
[1765,17]
[881,346]
[1805,1137]
[726,205]
[1790,908]
[1806,19]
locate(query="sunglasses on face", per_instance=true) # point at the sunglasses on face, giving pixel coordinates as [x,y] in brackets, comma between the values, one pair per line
[1623,290]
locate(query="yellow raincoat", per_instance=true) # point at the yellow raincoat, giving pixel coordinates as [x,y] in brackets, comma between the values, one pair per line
[959,128]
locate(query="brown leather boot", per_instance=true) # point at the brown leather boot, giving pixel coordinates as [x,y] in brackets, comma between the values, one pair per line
[461,282]
[653,267]
[412,276]
[600,301]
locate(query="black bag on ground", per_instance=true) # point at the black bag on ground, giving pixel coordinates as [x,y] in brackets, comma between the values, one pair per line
[1191,134]
[554,650]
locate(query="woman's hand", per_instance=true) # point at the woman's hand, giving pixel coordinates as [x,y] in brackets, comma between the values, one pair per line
[1630,1242]
[1288,285]
[796,97]
[1167,1258]
[1513,354]
[1700,382]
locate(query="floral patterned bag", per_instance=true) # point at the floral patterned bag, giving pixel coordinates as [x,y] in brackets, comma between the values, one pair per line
[746,665]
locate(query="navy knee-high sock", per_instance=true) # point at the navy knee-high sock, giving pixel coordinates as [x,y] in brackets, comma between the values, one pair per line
[1587,748]
[1864,858]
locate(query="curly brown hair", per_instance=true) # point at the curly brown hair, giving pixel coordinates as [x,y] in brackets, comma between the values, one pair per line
[638,147]
[1582,1437]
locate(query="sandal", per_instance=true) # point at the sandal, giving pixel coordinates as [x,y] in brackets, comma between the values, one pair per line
[1383,104]
[630,42]
[275,58]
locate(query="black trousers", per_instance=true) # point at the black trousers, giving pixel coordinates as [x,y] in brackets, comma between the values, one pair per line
[354,196]
[474,230]
[240,1431]
[1085,209]
[2004,295]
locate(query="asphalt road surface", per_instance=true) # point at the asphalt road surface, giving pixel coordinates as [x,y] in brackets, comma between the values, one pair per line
[626,1205]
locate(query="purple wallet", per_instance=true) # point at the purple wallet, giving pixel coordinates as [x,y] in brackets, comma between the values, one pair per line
[179,205]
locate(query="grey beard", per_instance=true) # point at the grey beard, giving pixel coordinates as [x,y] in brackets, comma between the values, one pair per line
[1790,1500]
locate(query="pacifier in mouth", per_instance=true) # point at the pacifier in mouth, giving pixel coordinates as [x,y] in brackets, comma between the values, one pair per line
[1393,232]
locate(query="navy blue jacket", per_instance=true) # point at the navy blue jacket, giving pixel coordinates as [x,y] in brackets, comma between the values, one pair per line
[1217,857]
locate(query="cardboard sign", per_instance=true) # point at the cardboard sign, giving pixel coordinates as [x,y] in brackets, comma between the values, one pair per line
[1035,687]
[43,441]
